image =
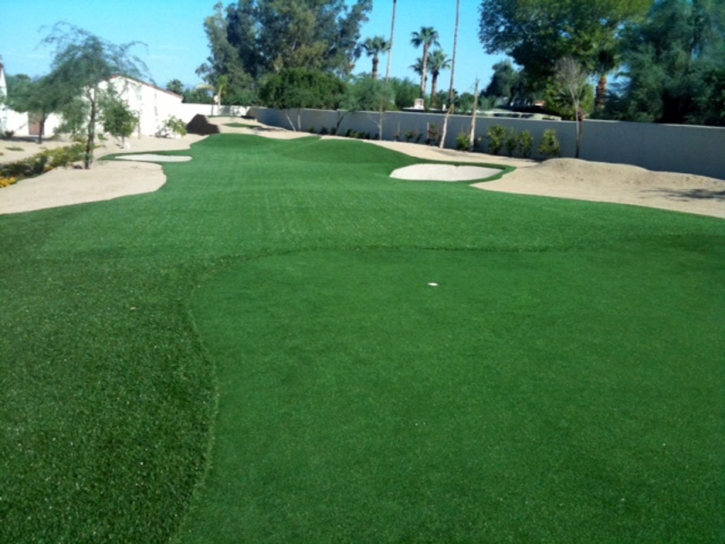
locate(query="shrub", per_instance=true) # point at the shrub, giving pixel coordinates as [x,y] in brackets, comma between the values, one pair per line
[350,133]
[40,163]
[463,142]
[512,141]
[8,134]
[550,146]
[324,131]
[526,143]
[433,133]
[311,130]
[174,125]
[200,125]
[496,138]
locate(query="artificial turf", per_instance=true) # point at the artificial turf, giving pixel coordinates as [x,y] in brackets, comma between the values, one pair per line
[254,354]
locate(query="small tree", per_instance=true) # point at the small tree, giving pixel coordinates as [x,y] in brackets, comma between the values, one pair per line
[81,63]
[116,117]
[570,78]
[38,97]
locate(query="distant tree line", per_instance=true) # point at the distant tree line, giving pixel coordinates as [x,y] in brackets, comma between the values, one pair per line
[668,57]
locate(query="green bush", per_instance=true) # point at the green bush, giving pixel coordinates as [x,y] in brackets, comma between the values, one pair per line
[526,143]
[496,139]
[512,141]
[550,146]
[463,142]
[175,126]
[42,162]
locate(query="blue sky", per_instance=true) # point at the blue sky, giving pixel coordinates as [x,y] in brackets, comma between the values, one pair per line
[176,44]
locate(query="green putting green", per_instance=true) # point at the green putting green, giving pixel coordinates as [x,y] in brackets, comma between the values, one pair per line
[254,354]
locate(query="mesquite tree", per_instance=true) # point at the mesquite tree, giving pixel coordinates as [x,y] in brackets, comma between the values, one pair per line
[82,62]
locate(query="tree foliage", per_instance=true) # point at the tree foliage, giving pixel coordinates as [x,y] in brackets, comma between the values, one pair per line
[674,65]
[255,38]
[537,33]
[298,88]
[175,86]
[373,47]
[405,91]
[116,117]
[38,97]
[426,38]
[81,63]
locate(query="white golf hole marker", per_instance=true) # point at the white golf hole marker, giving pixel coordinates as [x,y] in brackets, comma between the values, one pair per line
[433,284]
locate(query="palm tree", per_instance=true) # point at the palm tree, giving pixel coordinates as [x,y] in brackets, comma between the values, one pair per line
[392,35]
[455,52]
[427,37]
[373,47]
[418,66]
[437,62]
[607,60]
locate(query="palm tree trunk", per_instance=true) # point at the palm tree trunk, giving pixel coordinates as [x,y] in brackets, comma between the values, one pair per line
[455,50]
[433,88]
[601,99]
[375,67]
[392,34]
[424,75]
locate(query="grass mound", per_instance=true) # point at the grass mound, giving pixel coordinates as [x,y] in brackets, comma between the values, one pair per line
[107,383]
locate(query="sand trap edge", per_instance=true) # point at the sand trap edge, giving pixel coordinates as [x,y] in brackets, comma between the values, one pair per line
[444,173]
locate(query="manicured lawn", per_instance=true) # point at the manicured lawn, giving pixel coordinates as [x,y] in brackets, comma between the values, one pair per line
[254,354]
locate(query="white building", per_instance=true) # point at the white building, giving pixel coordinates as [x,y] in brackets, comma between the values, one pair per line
[3,95]
[151,104]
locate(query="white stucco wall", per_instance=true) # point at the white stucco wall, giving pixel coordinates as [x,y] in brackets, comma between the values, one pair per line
[152,105]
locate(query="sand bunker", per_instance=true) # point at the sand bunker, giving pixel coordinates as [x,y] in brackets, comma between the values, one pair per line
[64,187]
[615,183]
[150,157]
[443,172]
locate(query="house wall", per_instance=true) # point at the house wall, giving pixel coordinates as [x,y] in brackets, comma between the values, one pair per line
[670,148]
[152,105]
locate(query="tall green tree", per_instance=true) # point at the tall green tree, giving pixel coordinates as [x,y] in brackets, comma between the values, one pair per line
[426,38]
[674,65]
[374,47]
[82,62]
[255,38]
[224,62]
[537,33]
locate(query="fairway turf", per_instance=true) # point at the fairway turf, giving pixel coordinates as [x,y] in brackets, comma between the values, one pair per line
[253,354]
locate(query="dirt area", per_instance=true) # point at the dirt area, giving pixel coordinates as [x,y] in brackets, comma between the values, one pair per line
[561,178]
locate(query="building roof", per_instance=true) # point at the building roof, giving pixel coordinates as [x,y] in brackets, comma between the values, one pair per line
[147,85]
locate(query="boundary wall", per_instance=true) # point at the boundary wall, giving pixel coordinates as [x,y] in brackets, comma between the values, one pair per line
[685,149]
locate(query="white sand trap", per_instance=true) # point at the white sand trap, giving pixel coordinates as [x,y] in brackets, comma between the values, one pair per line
[443,172]
[150,157]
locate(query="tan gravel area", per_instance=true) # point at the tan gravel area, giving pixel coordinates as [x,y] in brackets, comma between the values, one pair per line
[561,178]
[616,183]
[105,180]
